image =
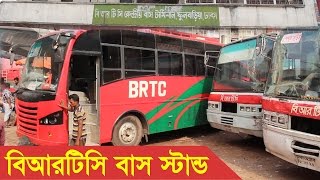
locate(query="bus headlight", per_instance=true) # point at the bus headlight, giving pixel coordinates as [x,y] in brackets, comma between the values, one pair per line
[52,119]
[241,108]
[214,106]
[283,119]
[267,117]
[245,108]
[276,119]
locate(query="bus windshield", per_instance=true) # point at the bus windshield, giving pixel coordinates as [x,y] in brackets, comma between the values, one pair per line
[296,66]
[240,69]
[44,63]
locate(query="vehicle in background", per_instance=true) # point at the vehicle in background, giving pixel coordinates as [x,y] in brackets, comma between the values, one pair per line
[238,84]
[291,104]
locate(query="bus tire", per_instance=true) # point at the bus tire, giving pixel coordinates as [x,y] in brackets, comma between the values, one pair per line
[24,141]
[127,132]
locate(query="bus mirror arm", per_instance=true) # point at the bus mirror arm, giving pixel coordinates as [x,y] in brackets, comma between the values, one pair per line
[206,60]
[262,46]
[213,67]
[11,58]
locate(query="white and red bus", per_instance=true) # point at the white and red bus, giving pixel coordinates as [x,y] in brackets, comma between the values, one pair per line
[241,73]
[291,104]
[132,82]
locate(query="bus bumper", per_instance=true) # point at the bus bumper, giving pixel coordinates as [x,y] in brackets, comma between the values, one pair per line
[41,142]
[301,149]
[236,124]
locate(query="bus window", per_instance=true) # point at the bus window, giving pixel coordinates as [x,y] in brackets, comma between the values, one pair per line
[88,42]
[111,57]
[200,66]
[138,73]
[176,64]
[139,59]
[210,47]
[193,47]
[110,36]
[190,65]
[137,39]
[170,63]
[111,75]
[168,43]
[111,63]
[148,60]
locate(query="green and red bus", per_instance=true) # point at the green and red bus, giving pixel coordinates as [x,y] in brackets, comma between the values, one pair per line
[131,82]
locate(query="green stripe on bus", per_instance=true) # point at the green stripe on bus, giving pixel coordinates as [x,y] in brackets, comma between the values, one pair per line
[193,116]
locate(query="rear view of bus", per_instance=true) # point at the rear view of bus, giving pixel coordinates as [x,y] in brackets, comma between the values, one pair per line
[239,81]
[291,103]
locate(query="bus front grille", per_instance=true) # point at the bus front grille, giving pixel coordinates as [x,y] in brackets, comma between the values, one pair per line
[27,118]
[227,121]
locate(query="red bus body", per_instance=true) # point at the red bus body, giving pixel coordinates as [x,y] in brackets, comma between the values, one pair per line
[161,102]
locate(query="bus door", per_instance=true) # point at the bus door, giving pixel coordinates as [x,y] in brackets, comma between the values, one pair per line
[84,80]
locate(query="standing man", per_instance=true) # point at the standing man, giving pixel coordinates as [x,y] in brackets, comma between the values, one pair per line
[79,116]
[8,103]
[2,81]
[2,133]
[16,83]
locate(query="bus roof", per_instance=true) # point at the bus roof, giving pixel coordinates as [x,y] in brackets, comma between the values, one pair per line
[156,31]
[250,38]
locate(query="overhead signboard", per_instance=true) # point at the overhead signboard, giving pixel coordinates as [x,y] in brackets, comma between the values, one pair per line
[156,15]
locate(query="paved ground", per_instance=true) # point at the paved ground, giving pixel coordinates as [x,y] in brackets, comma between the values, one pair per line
[244,154]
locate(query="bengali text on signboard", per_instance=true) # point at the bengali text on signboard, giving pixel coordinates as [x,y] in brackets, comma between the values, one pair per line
[156,15]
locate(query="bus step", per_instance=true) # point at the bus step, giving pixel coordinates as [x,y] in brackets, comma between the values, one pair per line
[93,133]
[91,144]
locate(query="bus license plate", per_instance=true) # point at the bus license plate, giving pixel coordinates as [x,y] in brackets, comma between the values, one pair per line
[305,161]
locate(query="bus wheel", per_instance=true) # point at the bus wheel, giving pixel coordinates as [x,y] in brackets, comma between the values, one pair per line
[24,141]
[127,132]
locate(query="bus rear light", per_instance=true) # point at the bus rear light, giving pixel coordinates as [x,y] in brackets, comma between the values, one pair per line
[52,119]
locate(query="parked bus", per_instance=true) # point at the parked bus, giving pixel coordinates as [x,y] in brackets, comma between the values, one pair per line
[291,105]
[131,82]
[241,73]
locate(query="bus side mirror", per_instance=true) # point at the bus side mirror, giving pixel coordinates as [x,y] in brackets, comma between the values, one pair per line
[206,59]
[55,43]
[11,58]
[62,41]
[260,45]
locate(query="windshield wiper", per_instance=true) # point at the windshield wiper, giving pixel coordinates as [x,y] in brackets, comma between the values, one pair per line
[21,88]
[47,90]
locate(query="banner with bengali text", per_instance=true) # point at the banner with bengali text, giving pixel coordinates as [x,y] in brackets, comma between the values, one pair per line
[156,15]
[154,162]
